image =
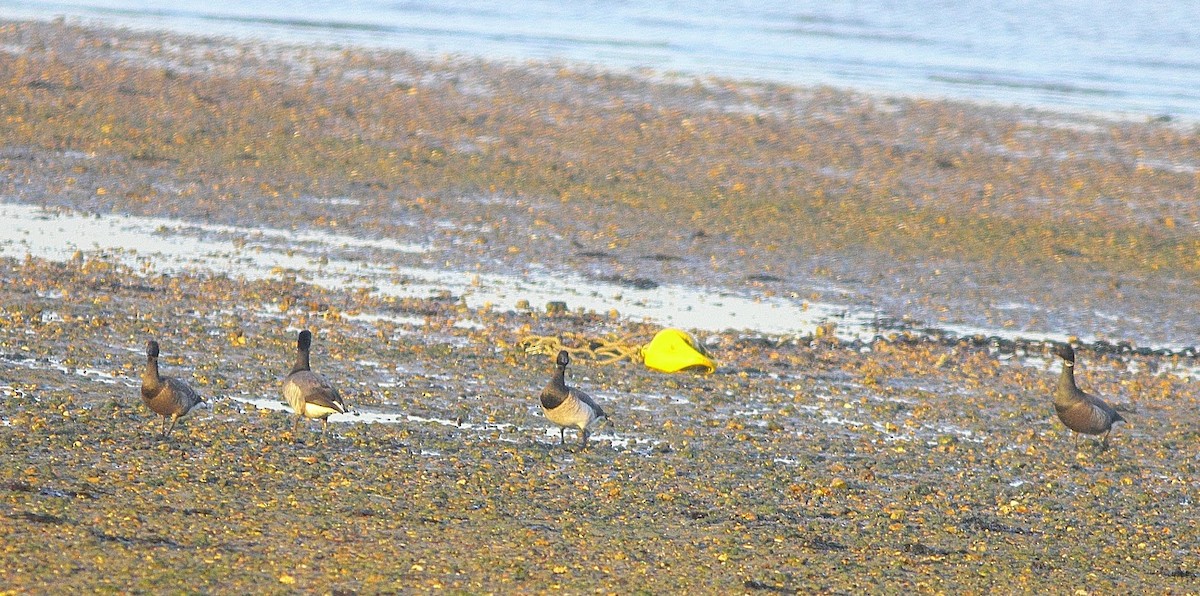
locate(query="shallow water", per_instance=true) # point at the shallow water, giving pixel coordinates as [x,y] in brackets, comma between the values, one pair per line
[165,245]
[1106,56]
[162,245]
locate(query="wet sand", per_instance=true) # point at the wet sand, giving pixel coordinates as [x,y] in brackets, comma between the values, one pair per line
[804,464]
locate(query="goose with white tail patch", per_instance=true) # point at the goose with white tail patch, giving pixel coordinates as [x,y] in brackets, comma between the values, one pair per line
[309,394]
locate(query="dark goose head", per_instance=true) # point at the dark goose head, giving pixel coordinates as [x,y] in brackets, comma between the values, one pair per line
[1066,352]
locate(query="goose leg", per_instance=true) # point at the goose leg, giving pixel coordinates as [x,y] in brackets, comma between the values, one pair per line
[583,443]
[171,426]
[562,436]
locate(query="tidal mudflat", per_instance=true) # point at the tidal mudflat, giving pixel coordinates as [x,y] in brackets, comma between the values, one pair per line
[418,215]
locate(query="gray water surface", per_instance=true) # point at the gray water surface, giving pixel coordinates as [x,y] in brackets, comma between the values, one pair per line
[1139,59]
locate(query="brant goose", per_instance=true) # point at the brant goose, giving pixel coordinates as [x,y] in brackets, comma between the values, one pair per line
[1081,412]
[169,397]
[310,394]
[568,406]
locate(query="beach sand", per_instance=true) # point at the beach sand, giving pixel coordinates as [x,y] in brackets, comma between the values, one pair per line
[915,462]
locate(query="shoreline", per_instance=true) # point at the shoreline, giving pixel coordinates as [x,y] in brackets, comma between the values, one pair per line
[771,189]
[803,464]
[333,261]
[948,86]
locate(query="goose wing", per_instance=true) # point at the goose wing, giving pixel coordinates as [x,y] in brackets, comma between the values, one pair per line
[1103,406]
[171,397]
[314,389]
[587,400]
[1085,417]
[184,392]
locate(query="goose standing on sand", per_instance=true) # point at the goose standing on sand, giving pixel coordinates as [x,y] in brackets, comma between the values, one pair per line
[310,394]
[1081,412]
[169,397]
[568,406]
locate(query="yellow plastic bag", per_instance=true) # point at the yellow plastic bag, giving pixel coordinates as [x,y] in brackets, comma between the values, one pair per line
[673,350]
